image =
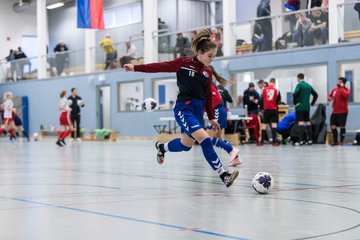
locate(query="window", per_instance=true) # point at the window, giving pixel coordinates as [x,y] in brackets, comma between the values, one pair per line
[286,82]
[165,93]
[123,15]
[131,96]
[351,71]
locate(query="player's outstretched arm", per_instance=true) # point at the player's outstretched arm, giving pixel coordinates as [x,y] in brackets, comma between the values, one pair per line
[129,67]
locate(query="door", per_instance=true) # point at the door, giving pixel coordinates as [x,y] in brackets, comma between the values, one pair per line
[103,100]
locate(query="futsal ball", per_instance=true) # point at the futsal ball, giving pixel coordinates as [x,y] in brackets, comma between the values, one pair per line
[263,182]
[149,105]
[36,136]
[70,102]
[80,103]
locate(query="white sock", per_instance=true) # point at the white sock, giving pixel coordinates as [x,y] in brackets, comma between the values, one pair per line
[220,170]
[166,147]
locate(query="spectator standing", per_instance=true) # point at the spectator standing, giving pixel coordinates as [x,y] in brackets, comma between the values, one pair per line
[61,56]
[21,60]
[10,58]
[110,52]
[264,10]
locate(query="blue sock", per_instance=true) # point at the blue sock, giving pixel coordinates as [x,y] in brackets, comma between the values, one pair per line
[221,144]
[176,146]
[210,154]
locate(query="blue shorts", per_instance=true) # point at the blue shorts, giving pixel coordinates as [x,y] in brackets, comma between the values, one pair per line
[220,116]
[17,121]
[190,116]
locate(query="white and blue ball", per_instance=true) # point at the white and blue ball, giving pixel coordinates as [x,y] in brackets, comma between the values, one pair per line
[263,182]
[149,105]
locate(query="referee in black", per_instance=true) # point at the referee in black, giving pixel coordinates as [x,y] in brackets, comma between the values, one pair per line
[75,102]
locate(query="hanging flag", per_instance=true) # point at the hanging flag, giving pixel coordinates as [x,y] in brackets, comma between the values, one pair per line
[90,14]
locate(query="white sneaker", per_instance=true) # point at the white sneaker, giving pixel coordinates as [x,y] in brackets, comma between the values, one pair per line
[71,139]
[233,154]
[78,139]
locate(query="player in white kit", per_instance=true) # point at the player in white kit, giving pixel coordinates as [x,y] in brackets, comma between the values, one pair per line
[8,124]
[65,122]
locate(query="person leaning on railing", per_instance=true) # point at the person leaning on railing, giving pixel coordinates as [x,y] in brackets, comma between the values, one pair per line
[110,52]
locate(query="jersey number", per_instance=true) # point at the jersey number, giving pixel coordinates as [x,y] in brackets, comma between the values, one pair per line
[270,95]
[191,73]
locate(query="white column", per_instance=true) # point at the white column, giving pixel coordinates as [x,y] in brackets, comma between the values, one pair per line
[150,20]
[336,21]
[212,13]
[229,16]
[90,50]
[41,20]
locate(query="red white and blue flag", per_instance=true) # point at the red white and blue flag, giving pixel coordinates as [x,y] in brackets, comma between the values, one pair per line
[90,14]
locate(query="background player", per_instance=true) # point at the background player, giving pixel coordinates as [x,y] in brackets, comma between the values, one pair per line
[65,122]
[221,118]
[8,122]
[340,98]
[194,80]
[75,102]
[270,99]
[302,94]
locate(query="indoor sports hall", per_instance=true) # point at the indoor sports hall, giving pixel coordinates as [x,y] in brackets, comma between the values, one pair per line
[179,119]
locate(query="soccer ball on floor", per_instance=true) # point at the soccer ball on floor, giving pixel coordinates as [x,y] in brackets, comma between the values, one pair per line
[149,105]
[263,182]
[36,136]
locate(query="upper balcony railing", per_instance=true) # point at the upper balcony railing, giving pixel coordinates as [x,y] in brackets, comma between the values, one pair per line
[172,45]
[349,13]
[304,28]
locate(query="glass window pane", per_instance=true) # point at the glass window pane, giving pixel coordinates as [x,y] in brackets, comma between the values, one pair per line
[108,19]
[131,96]
[165,93]
[136,14]
[123,16]
[351,71]
[286,82]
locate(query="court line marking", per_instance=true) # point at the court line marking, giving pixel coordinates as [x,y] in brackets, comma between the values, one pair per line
[126,218]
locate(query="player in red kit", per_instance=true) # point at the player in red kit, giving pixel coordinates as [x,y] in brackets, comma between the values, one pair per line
[270,99]
[217,137]
[340,98]
[65,122]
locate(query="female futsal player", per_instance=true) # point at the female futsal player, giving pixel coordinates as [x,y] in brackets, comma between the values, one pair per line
[65,122]
[194,80]
[8,123]
[19,125]
[221,118]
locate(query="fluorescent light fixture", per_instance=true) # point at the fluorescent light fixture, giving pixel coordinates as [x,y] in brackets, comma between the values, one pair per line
[55,5]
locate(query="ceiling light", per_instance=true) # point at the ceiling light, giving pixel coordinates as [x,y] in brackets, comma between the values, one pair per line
[55,5]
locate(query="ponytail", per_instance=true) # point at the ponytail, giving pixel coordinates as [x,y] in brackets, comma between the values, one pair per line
[218,77]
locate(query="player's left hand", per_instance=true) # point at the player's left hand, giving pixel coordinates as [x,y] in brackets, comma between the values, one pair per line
[215,125]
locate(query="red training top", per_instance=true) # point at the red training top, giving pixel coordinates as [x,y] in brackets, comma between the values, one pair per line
[271,97]
[340,97]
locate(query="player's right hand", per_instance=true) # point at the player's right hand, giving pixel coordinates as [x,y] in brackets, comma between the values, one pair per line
[129,67]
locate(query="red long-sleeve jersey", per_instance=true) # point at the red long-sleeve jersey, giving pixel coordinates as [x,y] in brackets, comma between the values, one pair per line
[194,79]
[340,97]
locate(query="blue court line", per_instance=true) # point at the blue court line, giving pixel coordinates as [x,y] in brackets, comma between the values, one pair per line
[125,218]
